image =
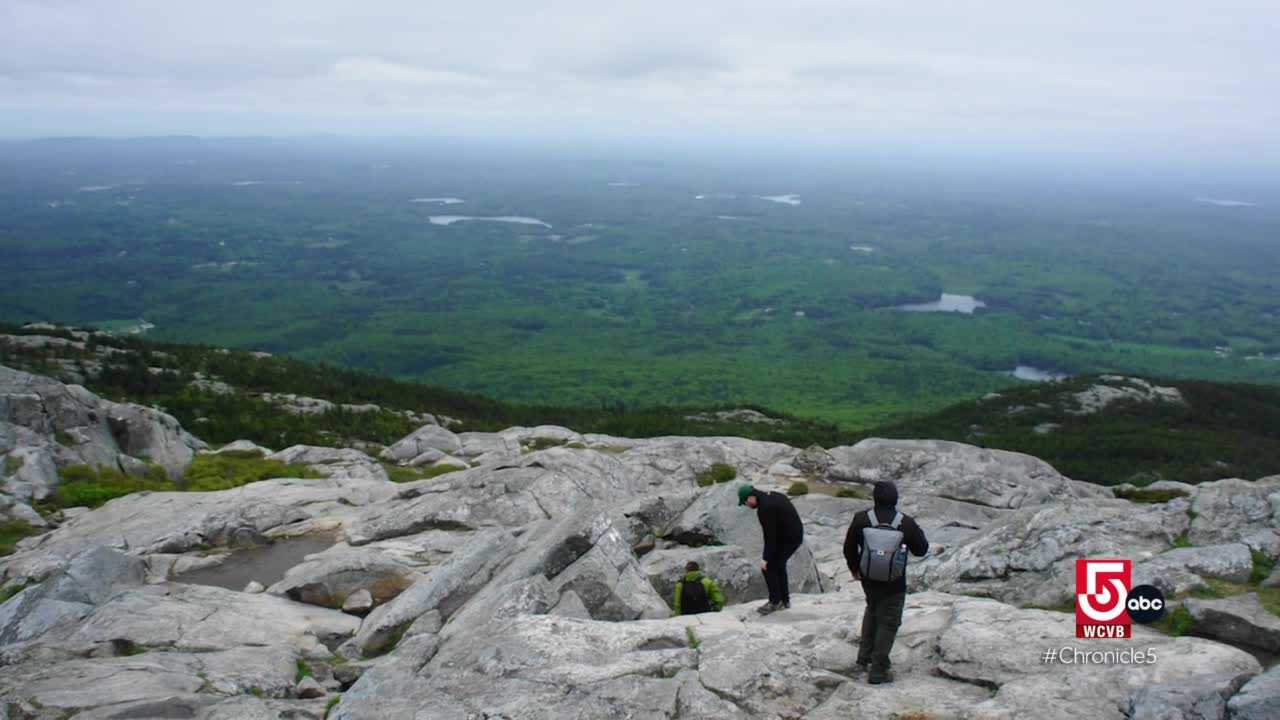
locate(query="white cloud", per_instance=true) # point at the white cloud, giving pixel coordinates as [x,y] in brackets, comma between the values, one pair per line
[1092,72]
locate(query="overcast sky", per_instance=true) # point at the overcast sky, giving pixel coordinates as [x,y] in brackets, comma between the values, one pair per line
[1089,76]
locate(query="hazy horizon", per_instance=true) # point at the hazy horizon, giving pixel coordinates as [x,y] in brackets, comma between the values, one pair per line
[1179,82]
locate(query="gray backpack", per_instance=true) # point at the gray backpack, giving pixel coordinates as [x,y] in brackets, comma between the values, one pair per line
[884,557]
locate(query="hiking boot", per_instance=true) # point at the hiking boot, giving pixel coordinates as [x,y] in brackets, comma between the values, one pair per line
[769,607]
[878,677]
[786,604]
[860,667]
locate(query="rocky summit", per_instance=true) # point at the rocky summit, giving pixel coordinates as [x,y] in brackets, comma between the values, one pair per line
[536,581]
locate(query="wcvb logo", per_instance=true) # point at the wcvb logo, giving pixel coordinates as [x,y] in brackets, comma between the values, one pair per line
[1102,589]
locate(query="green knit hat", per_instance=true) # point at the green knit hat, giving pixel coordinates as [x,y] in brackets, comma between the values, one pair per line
[744,492]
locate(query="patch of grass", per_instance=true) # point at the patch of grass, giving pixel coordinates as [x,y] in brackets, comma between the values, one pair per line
[128,648]
[333,702]
[401,474]
[304,671]
[230,470]
[859,493]
[1145,495]
[12,464]
[1216,589]
[1182,541]
[541,443]
[64,439]
[1262,568]
[11,532]
[716,474]
[1176,623]
[8,592]
[798,488]
[694,642]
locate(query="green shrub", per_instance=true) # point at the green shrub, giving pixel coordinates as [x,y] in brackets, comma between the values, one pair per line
[1177,623]
[798,488]
[82,485]
[1182,541]
[12,464]
[716,474]
[860,493]
[229,470]
[304,671]
[333,702]
[1262,568]
[11,532]
[1145,495]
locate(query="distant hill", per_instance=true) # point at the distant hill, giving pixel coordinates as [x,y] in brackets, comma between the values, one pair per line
[1102,429]
[1111,429]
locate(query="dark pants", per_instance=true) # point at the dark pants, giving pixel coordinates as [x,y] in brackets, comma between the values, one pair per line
[776,576]
[880,626]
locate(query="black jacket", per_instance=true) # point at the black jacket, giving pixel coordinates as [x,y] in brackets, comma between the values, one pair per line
[783,530]
[912,536]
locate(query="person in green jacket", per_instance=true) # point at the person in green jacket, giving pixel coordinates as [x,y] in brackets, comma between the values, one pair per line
[697,593]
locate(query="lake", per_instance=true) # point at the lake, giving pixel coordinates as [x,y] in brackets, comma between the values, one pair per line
[966,304]
[791,199]
[439,200]
[451,219]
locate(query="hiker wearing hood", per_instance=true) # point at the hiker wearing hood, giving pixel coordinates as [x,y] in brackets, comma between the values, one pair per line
[696,593]
[783,533]
[876,550]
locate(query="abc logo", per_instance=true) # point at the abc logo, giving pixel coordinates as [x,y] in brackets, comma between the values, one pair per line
[1145,604]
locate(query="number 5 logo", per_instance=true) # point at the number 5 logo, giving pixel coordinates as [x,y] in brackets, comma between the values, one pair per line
[1101,589]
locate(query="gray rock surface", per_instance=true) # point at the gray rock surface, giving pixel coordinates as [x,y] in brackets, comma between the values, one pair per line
[1199,698]
[327,579]
[1259,699]
[51,425]
[244,447]
[88,580]
[1181,569]
[1227,510]
[359,602]
[1028,557]
[534,585]
[1239,620]
[427,437]
[952,470]
[308,688]
[444,589]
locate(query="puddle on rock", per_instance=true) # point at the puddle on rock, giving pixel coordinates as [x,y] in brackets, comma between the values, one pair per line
[266,564]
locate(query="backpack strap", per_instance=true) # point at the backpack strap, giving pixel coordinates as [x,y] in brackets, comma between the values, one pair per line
[873,521]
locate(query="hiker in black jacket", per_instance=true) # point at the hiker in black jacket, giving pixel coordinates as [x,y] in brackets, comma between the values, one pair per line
[885,599]
[783,534]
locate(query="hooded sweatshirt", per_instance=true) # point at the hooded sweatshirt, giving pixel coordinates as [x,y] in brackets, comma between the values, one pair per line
[912,536]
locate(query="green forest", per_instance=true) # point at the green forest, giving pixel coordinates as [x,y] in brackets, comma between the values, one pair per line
[650,282]
[1219,430]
